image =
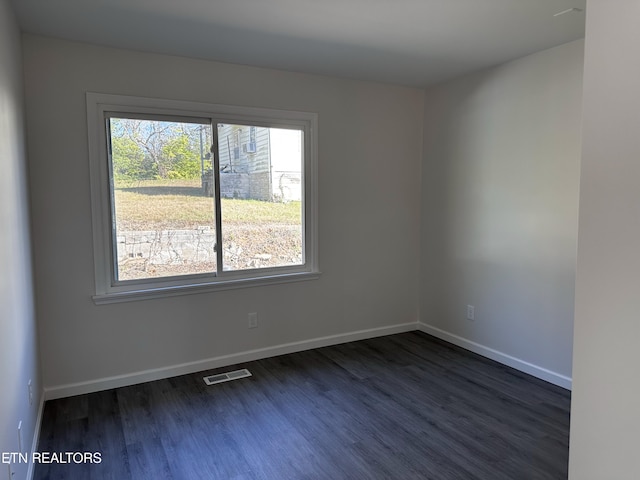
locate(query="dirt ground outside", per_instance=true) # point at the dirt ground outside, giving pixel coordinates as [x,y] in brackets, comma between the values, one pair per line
[167,228]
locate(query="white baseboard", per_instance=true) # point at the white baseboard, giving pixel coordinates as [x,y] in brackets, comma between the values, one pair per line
[518,364]
[80,388]
[36,437]
[69,390]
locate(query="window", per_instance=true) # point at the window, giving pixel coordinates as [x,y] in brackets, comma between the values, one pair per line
[178,207]
[251,146]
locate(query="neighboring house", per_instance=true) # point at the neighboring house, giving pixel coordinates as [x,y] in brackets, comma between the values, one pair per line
[259,163]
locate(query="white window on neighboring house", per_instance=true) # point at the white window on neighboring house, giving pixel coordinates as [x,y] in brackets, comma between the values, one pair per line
[251,146]
[173,212]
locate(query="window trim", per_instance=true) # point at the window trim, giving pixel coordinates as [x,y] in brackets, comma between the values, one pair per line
[109,291]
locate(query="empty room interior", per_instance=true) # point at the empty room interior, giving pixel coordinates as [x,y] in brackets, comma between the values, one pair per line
[399,239]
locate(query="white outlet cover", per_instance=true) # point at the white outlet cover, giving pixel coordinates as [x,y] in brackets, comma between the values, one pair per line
[470,312]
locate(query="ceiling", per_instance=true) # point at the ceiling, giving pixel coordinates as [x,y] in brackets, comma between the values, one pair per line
[408,42]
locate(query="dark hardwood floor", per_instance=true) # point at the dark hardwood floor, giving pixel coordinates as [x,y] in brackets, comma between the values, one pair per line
[405,406]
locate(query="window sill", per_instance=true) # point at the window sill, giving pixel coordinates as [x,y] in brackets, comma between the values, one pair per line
[174,291]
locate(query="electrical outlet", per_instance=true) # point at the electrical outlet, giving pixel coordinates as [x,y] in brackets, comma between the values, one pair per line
[471,314]
[30,387]
[253,320]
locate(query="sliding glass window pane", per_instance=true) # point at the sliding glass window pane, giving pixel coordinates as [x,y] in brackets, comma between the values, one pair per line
[162,198]
[261,196]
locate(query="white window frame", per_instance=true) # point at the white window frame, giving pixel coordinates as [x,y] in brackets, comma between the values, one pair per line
[108,290]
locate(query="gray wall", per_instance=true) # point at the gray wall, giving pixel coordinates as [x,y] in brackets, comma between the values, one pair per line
[18,346]
[605,419]
[369,204]
[499,209]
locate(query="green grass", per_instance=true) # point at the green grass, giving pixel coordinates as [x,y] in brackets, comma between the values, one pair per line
[181,204]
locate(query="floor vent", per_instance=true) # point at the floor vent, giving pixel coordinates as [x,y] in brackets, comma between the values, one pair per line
[226,377]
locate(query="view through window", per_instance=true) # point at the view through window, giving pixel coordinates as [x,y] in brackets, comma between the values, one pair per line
[180,206]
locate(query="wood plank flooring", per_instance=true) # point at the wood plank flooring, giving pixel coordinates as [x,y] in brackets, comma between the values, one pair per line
[404,406]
